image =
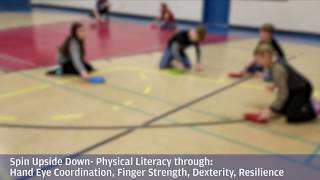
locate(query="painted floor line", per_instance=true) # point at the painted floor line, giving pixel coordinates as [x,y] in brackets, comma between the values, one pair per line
[116,127]
[66,117]
[110,85]
[5,57]
[24,91]
[117,107]
[312,156]
[153,120]
[7,118]
[38,79]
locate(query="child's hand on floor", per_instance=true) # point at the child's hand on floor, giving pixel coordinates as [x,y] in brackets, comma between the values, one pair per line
[85,75]
[199,67]
[271,88]
[179,66]
[265,115]
[259,75]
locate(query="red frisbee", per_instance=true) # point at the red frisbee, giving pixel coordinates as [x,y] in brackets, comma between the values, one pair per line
[253,117]
[236,75]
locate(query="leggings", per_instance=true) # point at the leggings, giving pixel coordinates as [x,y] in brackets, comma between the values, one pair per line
[68,68]
[298,107]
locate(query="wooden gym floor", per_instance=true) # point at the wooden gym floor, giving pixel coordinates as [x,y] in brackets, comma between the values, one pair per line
[44,115]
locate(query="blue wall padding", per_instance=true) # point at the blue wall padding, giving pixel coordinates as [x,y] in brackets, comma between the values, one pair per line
[15,5]
[216,13]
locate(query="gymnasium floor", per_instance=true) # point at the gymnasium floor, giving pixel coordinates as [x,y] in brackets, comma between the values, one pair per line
[140,109]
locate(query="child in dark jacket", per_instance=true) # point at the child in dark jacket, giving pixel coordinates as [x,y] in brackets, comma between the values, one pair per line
[266,36]
[175,56]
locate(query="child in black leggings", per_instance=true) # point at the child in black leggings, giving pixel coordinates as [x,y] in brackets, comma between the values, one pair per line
[71,55]
[294,98]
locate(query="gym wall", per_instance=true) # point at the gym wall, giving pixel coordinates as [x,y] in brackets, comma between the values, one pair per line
[190,10]
[287,15]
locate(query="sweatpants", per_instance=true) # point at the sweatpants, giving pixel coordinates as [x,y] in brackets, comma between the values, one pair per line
[168,57]
[299,107]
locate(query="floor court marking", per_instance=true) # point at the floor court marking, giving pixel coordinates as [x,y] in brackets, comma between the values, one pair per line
[312,156]
[116,108]
[133,109]
[125,133]
[147,89]
[67,117]
[15,59]
[116,127]
[7,118]
[143,76]
[157,118]
[128,103]
[24,91]
[151,121]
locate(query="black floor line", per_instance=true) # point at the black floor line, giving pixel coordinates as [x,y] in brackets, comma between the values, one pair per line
[104,128]
[161,116]
[153,120]
[149,122]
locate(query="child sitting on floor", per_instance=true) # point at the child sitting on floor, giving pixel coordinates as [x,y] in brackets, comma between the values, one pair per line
[266,36]
[71,55]
[294,99]
[166,19]
[175,56]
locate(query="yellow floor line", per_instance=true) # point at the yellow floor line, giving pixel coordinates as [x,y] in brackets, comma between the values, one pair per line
[221,80]
[24,91]
[147,89]
[143,76]
[142,73]
[7,118]
[128,103]
[115,107]
[251,86]
[317,94]
[64,117]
